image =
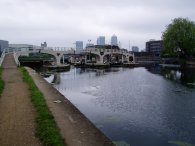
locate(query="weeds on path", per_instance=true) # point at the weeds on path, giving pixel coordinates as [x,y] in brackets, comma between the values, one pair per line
[46,128]
[1,81]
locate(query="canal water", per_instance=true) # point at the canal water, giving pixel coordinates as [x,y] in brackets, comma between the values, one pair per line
[151,106]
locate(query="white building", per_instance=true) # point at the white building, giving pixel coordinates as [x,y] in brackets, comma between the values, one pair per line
[114,40]
[101,40]
[79,45]
[135,49]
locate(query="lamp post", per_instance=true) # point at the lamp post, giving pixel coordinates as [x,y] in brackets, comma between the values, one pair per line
[111,54]
[90,50]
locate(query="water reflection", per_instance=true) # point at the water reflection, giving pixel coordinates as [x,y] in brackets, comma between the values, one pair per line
[137,106]
[188,76]
[56,78]
[185,76]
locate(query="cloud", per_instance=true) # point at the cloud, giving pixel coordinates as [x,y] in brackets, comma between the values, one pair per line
[62,22]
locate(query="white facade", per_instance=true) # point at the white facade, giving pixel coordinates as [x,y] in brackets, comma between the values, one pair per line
[114,40]
[79,45]
[101,40]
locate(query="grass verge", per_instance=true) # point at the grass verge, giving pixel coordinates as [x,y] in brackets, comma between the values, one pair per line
[1,81]
[46,128]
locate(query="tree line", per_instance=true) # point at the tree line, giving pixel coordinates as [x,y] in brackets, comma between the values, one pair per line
[179,39]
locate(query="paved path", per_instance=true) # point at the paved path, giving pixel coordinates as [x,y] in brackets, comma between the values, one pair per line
[17,115]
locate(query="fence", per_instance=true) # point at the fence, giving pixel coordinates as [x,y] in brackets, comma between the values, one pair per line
[2,57]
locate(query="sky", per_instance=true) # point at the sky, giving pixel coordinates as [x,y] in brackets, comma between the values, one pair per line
[63,22]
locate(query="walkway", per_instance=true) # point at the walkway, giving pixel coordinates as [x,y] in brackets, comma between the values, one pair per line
[17,115]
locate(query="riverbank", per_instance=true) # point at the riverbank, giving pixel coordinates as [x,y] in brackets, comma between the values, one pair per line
[75,128]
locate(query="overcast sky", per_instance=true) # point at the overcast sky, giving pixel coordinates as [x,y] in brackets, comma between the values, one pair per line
[62,22]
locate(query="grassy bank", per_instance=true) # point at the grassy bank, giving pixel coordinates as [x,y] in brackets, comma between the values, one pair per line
[1,81]
[46,128]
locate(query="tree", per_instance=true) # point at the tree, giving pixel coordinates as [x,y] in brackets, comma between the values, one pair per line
[179,38]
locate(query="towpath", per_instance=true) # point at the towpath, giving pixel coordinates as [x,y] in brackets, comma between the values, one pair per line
[17,114]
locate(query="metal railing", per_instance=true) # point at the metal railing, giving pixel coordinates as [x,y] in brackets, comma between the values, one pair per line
[107,50]
[16,59]
[2,57]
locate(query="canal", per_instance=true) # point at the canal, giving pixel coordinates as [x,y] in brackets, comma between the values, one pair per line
[151,106]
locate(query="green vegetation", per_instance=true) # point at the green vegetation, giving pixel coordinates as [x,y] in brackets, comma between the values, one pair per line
[1,81]
[179,39]
[46,128]
[37,57]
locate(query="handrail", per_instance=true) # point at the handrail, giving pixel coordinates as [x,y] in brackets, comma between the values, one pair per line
[16,59]
[2,57]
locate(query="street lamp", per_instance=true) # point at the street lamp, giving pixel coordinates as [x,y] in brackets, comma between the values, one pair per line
[111,54]
[90,50]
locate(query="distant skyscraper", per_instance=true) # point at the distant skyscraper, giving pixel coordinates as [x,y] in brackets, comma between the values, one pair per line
[79,45]
[135,49]
[3,45]
[101,40]
[114,40]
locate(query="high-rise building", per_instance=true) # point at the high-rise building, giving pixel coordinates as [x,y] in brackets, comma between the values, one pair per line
[79,45]
[3,45]
[154,46]
[135,49]
[114,40]
[101,40]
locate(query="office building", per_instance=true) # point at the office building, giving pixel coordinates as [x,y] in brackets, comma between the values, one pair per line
[114,40]
[135,49]
[79,45]
[3,45]
[154,46]
[101,40]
